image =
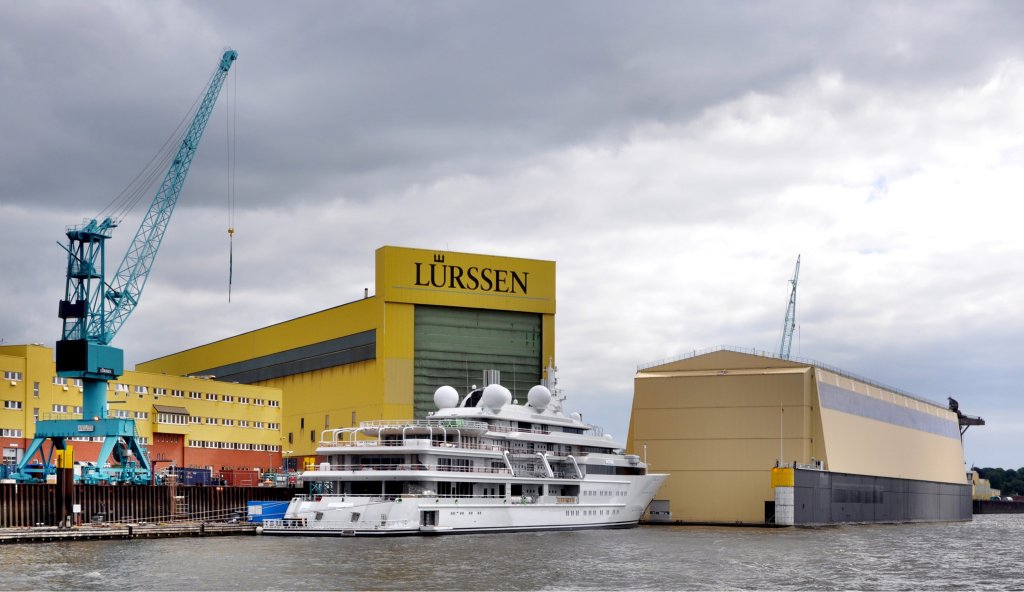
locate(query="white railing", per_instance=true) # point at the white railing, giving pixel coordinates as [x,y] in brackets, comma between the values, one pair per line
[408,442]
[452,423]
[415,467]
[500,428]
[376,498]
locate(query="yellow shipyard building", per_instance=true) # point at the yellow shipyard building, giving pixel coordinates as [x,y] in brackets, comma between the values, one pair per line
[850,450]
[437,318]
[188,422]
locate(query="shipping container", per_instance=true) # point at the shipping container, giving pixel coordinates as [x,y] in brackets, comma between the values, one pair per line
[187,476]
[241,477]
[270,510]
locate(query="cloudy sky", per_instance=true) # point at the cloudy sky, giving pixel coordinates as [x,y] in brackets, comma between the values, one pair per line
[673,158]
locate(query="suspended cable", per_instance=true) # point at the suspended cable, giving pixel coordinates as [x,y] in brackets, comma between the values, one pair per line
[141,185]
[232,126]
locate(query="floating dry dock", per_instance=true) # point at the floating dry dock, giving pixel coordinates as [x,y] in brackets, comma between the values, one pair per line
[853,450]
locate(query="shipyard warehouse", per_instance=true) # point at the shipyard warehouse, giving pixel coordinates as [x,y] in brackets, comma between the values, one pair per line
[752,438]
[436,318]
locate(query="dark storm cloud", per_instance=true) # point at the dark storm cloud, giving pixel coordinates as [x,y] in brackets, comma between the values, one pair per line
[346,98]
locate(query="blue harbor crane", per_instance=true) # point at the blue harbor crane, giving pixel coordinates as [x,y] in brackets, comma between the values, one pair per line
[93,311]
[790,323]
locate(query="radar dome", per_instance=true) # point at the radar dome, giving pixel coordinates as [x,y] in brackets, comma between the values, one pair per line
[576,415]
[539,397]
[446,397]
[496,396]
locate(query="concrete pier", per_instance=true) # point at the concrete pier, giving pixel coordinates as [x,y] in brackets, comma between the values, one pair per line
[49,534]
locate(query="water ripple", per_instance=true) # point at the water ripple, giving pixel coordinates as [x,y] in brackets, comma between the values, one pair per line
[985,554]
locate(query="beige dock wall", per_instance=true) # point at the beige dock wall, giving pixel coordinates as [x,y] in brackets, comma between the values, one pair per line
[879,432]
[717,426]
[718,422]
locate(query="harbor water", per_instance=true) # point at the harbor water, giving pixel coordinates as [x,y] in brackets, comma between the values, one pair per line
[987,553]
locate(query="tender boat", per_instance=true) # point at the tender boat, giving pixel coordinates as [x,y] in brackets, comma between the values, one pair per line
[480,464]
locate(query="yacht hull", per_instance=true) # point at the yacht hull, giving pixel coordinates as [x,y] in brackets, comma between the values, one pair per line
[346,515]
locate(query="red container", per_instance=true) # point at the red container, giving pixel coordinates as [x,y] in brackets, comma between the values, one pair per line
[241,477]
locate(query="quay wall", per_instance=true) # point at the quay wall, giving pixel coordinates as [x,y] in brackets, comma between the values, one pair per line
[25,505]
[998,507]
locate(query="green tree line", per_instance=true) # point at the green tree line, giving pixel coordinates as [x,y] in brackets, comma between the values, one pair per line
[1007,481]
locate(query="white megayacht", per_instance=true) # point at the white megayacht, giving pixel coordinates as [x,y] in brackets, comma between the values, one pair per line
[480,464]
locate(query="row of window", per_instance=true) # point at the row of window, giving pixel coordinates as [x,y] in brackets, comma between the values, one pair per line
[125,414]
[172,418]
[611,492]
[121,387]
[17,433]
[215,397]
[142,439]
[120,413]
[179,419]
[591,512]
[12,404]
[61,381]
[233,446]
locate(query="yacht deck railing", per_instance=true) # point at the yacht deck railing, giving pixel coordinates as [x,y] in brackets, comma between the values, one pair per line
[408,442]
[378,498]
[447,423]
[414,467]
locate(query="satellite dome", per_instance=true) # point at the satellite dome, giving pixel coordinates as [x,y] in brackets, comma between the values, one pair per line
[446,397]
[539,397]
[495,397]
[576,415]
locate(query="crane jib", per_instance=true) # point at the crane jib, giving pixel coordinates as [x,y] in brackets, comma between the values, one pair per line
[131,275]
[108,304]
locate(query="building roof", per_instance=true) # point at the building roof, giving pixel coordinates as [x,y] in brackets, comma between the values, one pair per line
[731,357]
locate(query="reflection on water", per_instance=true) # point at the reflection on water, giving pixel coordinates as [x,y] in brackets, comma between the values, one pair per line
[984,554]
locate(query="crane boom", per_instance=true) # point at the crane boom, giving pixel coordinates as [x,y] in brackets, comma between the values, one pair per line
[790,322]
[129,280]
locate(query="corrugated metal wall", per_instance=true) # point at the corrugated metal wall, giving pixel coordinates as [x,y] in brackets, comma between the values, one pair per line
[455,345]
[822,497]
[29,505]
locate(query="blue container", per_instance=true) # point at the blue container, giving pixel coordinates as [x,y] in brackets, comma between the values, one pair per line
[193,476]
[257,512]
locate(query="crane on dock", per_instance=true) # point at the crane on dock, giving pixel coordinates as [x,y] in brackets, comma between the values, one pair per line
[93,310]
[790,323]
